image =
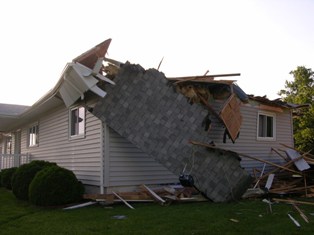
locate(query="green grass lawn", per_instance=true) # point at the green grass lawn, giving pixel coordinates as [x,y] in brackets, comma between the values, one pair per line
[249,217]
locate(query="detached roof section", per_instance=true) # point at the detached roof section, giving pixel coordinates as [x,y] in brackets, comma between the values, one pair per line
[84,73]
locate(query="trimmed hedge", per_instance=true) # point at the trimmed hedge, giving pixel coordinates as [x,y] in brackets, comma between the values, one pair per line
[54,186]
[6,177]
[24,176]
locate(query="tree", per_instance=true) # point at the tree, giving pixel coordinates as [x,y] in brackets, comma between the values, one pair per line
[301,91]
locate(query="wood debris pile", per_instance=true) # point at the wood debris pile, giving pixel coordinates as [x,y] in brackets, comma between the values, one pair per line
[163,195]
[295,177]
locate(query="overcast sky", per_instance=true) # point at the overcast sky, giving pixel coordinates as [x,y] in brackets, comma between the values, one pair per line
[261,39]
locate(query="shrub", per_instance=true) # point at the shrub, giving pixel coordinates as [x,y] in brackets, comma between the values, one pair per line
[24,176]
[55,186]
[6,177]
[0,179]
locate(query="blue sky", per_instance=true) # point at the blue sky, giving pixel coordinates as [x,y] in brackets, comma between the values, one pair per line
[261,39]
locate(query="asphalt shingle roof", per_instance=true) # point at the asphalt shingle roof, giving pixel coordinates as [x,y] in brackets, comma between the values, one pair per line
[12,109]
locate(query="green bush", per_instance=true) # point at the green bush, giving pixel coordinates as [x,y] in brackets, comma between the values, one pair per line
[6,177]
[0,179]
[54,186]
[24,176]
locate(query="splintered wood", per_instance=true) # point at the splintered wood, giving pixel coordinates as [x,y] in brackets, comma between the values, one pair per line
[294,177]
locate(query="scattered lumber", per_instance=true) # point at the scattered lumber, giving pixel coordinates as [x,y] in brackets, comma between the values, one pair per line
[161,194]
[300,212]
[290,201]
[295,177]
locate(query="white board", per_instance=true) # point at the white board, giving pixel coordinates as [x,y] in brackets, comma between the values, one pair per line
[301,164]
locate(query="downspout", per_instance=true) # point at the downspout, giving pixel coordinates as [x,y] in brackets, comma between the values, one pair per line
[104,180]
[102,155]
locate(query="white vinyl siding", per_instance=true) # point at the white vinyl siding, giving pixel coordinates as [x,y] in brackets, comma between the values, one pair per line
[247,142]
[130,166]
[82,155]
[125,164]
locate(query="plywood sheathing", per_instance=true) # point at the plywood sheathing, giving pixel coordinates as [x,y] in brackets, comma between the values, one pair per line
[143,108]
[231,116]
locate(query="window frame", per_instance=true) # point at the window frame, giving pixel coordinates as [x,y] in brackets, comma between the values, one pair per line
[77,134]
[29,138]
[266,138]
[8,144]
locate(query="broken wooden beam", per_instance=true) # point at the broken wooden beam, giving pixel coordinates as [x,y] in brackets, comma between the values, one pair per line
[289,201]
[124,201]
[153,194]
[280,155]
[246,155]
[300,212]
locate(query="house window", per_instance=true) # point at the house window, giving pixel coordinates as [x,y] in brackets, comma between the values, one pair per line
[77,121]
[8,145]
[33,135]
[266,126]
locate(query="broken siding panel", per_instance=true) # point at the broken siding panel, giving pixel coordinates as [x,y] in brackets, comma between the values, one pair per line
[82,156]
[130,166]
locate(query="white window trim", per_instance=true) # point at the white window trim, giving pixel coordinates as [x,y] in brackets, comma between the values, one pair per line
[78,136]
[273,115]
[28,135]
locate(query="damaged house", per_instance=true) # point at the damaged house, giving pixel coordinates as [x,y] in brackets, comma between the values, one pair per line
[117,126]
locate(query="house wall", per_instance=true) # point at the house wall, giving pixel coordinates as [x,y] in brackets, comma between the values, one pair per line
[247,142]
[129,166]
[82,156]
[124,165]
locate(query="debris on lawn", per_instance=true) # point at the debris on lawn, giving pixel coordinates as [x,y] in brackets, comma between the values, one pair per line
[80,205]
[234,220]
[300,212]
[119,217]
[294,177]
[294,221]
[164,195]
[159,115]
